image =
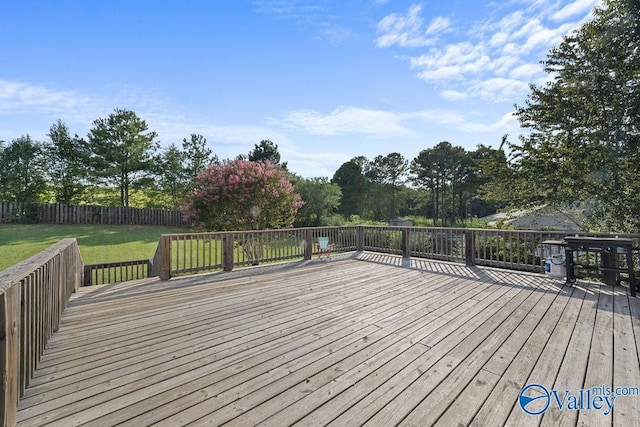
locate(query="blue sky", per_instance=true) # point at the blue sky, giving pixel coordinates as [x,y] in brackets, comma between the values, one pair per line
[325,80]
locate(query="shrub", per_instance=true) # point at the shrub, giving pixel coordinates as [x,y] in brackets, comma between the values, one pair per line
[242,195]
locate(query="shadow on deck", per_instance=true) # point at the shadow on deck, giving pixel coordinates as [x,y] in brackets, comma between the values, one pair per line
[353,341]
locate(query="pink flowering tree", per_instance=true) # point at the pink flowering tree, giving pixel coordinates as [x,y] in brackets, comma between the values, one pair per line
[242,195]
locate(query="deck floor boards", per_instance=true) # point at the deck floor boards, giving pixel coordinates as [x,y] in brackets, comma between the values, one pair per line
[362,340]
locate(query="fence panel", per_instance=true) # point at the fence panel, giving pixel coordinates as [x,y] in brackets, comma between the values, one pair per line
[87,214]
[383,239]
[446,244]
[512,249]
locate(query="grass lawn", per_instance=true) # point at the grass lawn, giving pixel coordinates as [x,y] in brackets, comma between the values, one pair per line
[98,243]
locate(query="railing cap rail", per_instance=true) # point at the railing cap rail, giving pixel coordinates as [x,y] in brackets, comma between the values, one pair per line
[19,271]
[277,230]
[338,227]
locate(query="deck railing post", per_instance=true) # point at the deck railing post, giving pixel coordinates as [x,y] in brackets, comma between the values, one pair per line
[164,258]
[406,243]
[10,354]
[87,276]
[360,238]
[468,247]
[308,244]
[227,252]
[609,261]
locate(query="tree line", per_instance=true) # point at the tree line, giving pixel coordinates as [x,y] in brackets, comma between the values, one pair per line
[120,160]
[443,183]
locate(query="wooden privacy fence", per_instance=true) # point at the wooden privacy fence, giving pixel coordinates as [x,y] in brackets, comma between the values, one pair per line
[105,215]
[33,295]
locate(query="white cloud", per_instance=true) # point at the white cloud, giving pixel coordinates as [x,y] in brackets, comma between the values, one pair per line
[455,61]
[499,39]
[335,34]
[525,71]
[577,7]
[347,120]
[500,89]
[502,65]
[459,121]
[439,25]
[454,95]
[408,30]
[308,14]
[18,97]
[494,58]
[381,124]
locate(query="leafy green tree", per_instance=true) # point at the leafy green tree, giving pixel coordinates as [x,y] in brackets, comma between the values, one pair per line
[197,156]
[424,172]
[122,152]
[388,172]
[240,195]
[174,177]
[494,179]
[178,168]
[463,183]
[353,184]
[433,169]
[266,151]
[583,143]
[449,174]
[321,198]
[67,159]
[22,177]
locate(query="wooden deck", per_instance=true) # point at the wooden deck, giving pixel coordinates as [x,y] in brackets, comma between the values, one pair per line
[346,342]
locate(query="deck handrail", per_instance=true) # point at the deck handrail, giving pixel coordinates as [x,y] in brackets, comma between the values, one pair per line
[185,253]
[33,294]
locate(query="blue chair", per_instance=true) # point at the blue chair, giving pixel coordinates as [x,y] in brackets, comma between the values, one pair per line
[324,248]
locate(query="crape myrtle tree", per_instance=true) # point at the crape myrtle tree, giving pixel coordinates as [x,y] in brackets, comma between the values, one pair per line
[122,152]
[242,195]
[584,139]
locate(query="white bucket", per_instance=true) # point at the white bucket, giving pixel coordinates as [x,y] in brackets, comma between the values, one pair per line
[555,267]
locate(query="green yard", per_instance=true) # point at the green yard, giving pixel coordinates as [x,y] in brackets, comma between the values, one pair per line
[98,243]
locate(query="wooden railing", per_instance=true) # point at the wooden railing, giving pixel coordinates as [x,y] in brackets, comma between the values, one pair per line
[33,295]
[200,252]
[111,272]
